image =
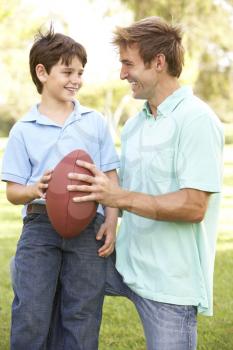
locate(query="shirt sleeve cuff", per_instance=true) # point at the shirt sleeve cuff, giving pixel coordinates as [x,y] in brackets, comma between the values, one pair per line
[213,188]
[110,166]
[13,178]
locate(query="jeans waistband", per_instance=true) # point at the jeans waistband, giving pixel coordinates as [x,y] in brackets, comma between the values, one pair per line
[36,209]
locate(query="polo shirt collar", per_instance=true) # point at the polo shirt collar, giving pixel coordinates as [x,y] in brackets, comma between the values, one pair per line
[170,103]
[147,111]
[35,116]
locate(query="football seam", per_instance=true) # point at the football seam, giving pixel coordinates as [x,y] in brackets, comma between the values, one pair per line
[70,194]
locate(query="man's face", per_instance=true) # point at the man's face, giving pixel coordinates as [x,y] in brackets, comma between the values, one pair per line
[143,79]
[63,82]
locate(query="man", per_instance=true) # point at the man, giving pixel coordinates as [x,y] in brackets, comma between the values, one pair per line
[171,173]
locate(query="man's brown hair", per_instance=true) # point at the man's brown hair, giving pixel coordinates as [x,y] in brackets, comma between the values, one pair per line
[154,36]
[48,49]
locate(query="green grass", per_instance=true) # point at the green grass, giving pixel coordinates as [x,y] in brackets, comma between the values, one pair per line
[121,328]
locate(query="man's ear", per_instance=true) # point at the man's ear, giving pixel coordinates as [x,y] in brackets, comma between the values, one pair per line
[41,73]
[159,62]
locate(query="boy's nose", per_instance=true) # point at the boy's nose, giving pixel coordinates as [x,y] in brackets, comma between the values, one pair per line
[75,78]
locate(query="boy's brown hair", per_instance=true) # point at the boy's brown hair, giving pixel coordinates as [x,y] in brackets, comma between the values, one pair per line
[49,48]
[154,36]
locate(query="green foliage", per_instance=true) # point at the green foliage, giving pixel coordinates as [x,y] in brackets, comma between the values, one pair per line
[214,84]
[16,34]
[228,133]
[7,121]
[7,8]
[168,9]
[100,97]
[112,99]
[121,328]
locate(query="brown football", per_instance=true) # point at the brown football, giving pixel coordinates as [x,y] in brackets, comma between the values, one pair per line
[68,218]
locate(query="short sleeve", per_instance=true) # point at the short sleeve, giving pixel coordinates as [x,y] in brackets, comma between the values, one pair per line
[16,165]
[200,155]
[109,159]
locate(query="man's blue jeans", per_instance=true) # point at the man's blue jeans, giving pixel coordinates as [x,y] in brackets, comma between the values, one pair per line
[166,326]
[43,258]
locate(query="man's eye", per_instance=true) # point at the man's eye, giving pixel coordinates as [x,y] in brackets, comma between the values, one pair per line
[127,64]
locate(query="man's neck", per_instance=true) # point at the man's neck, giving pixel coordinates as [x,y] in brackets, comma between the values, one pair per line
[163,90]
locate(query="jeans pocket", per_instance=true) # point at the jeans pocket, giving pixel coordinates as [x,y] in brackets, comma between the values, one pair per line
[177,314]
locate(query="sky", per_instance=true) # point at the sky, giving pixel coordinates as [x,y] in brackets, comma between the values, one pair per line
[88,25]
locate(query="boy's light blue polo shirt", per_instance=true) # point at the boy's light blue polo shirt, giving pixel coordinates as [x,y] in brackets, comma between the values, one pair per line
[171,262]
[37,144]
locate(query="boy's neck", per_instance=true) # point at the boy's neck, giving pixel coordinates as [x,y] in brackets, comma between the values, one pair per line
[58,112]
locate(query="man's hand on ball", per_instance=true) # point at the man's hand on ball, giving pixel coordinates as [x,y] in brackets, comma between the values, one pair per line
[99,187]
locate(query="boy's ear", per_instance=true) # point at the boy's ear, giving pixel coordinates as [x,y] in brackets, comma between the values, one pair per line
[41,73]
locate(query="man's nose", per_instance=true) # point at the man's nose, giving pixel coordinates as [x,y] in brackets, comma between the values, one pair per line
[123,73]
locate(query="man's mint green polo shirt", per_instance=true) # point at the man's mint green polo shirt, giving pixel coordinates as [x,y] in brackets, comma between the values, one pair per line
[171,262]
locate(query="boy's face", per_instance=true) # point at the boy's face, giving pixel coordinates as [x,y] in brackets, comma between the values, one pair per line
[63,82]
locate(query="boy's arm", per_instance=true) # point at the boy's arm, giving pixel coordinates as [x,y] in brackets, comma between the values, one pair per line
[108,228]
[22,194]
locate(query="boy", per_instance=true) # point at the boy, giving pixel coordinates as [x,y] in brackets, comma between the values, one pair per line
[37,142]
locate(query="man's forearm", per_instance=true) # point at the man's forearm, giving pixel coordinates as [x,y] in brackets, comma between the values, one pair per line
[186,205]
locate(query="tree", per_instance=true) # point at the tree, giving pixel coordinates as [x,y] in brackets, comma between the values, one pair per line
[14,42]
[113,99]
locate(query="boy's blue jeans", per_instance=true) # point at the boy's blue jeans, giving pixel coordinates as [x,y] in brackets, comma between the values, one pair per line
[43,258]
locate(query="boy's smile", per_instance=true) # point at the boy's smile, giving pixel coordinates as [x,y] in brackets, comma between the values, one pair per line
[63,82]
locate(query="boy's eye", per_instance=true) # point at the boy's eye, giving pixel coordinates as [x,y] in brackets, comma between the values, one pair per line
[67,72]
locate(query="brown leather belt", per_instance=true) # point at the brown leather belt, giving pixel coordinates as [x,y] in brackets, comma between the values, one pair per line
[36,209]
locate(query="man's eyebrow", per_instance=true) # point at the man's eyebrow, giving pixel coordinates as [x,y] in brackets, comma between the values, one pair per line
[125,61]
